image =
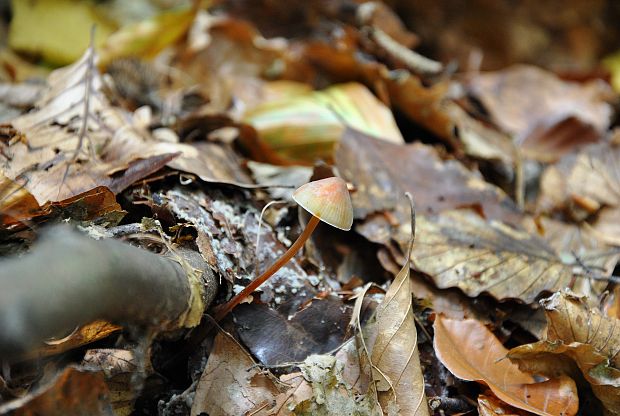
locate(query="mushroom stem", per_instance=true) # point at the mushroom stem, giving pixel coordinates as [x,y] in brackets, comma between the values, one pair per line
[299,243]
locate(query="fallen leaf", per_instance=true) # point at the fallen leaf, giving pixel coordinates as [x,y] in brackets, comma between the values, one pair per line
[489,405]
[231,384]
[547,117]
[394,356]
[304,127]
[81,336]
[57,30]
[72,392]
[64,146]
[460,249]
[471,352]
[381,172]
[585,336]
[119,368]
[276,339]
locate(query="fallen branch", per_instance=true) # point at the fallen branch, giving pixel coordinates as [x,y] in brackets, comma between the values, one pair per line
[70,280]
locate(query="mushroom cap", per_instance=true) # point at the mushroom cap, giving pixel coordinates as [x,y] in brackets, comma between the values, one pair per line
[329,200]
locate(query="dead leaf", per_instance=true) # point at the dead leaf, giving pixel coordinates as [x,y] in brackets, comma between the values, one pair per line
[460,249]
[275,339]
[382,172]
[84,335]
[546,116]
[120,368]
[231,384]
[62,148]
[394,355]
[72,392]
[489,405]
[584,335]
[303,127]
[471,352]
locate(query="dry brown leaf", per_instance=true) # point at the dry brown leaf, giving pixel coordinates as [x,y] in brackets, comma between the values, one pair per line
[62,148]
[583,334]
[471,352]
[231,384]
[81,336]
[72,392]
[460,249]
[586,184]
[489,405]
[382,172]
[394,355]
[546,116]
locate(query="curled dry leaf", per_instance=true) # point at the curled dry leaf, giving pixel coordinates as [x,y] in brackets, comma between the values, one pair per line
[584,335]
[547,117]
[460,249]
[394,356]
[231,384]
[471,352]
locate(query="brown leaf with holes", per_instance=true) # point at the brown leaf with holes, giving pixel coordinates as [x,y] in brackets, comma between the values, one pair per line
[246,388]
[546,116]
[471,352]
[583,335]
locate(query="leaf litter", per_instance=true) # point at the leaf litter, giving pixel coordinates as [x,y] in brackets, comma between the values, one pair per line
[513,172]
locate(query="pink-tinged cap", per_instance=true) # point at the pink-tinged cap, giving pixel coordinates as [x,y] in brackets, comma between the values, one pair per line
[329,200]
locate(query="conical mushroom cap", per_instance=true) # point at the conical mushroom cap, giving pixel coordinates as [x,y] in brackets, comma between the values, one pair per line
[329,200]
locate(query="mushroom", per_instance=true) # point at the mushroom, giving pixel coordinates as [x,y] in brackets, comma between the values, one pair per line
[327,200]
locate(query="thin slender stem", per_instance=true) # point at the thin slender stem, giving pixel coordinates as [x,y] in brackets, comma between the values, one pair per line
[299,243]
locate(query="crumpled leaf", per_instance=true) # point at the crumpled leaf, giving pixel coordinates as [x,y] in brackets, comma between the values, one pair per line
[585,336]
[81,336]
[304,127]
[547,117]
[460,249]
[231,384]
[471,352]
[119,368]
[72,392]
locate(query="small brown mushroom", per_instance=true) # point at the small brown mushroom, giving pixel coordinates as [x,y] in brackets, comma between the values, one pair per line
[327,200]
